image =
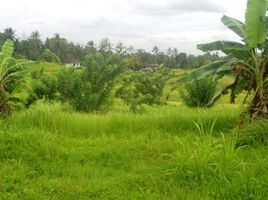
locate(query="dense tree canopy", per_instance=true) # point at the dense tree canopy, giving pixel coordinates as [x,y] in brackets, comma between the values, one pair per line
[34,48]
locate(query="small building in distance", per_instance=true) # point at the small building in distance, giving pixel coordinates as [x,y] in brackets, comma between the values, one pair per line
[74,65]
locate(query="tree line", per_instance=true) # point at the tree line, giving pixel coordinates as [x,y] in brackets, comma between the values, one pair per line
[59,49]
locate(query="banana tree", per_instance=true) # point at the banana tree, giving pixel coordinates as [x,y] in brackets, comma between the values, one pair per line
[11,76]
[247,60]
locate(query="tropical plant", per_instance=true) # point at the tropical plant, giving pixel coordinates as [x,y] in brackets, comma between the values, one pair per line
[11,76]
[89,89]
[74,90]
[200,93]
[246,60]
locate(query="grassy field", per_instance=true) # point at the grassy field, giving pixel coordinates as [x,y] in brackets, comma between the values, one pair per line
[50,68]
[169,152]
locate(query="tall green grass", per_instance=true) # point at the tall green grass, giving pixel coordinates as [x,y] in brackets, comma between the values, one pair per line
[167,120]
[50,152]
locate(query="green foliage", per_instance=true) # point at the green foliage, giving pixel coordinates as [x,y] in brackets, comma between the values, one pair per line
[46,87]
[255,29]
[247,60]
[134,63]
[33,48]
[30,48]
[42,86]
[75,90]
[8,33]
[11,76]
[47,152]
[49,56]
[89,89]
[222,45]
[200,93]
[143,87]
[55,117]
[235,25]
[253,134]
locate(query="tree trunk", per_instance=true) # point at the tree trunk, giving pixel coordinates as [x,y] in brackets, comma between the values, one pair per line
[260,109]
[259,106]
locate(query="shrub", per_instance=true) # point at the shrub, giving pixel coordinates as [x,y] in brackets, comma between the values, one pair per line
[42,86]
[142,87]
[200,93]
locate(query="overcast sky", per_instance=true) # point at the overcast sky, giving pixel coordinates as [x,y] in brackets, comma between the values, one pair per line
[178,24]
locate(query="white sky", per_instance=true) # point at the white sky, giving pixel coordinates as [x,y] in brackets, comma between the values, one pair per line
[141,23]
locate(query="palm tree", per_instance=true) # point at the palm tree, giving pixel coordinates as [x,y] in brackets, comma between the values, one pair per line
[9,33]
[246,60]
[155,50]
[131,50]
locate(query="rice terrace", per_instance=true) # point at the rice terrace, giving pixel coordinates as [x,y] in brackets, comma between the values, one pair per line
[165,113]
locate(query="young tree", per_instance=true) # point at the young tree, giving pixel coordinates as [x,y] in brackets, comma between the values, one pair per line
[89,89]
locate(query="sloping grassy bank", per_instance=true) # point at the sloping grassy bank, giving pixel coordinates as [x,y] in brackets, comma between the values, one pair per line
[47,153]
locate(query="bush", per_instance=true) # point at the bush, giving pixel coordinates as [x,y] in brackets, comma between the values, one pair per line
[200,93]
[46,87]
[142,87]
[42,86]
